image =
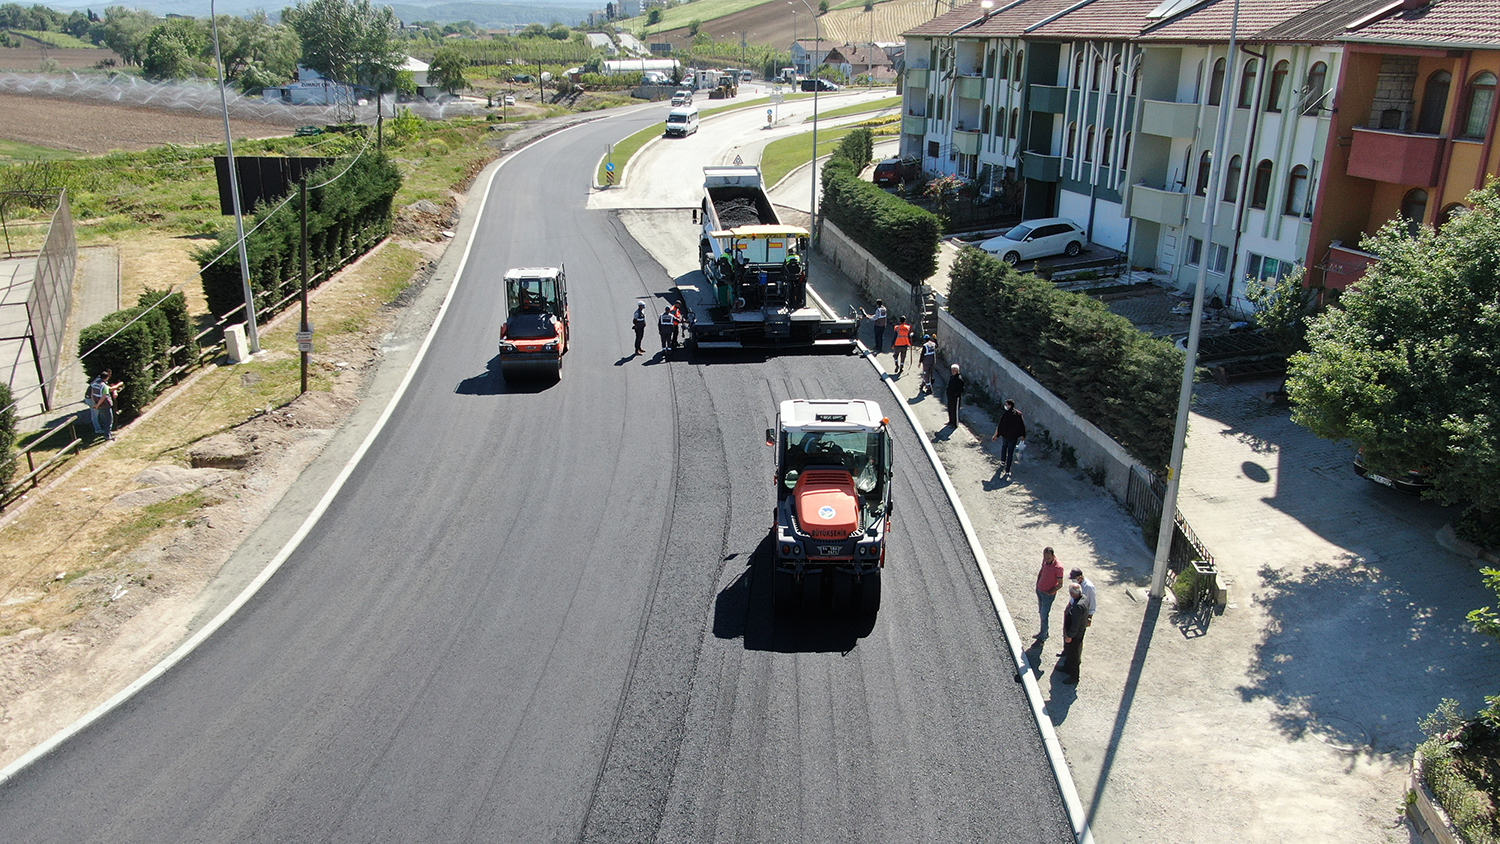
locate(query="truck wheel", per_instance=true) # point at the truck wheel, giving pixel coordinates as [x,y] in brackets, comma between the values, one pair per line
[812,592]
[784,595]
[558,375]
[841,591]
[869,594]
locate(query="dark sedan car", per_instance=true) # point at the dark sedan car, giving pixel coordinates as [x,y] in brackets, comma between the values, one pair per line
[893,171]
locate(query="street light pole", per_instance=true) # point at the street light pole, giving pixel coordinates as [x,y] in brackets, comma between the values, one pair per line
[252,333]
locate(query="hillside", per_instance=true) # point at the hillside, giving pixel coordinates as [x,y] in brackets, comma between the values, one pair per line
[493,15]
[771,23]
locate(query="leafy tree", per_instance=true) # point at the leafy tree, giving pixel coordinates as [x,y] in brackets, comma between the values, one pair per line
[533,30]
[1487,622]
[173,50]
[653,17]
[125,31]
[348,40]
[693,27]
[822,7]
[559,32]
[406,83]
[271,50]
[1282,309]
[447,70]
[1408,367]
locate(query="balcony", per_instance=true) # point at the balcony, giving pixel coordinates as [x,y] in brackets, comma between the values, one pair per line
[965,142]
[1041,166]
[1396,157]
[1050,99]
[916,77]
[970,87]
[913,125]
[1169,119]
[1168,208]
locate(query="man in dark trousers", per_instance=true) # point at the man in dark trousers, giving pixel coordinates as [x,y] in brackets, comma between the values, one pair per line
[1075,624]
[955,393]
[1049,582]
[638,324]
[666,326]
[1010,430]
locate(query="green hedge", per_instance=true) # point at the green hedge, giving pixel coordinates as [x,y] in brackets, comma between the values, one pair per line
[7,435]
[1097,362]
[179,325]
[136,355]
[345,218]
[901,236]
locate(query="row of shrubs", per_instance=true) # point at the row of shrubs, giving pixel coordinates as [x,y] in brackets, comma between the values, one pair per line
[345,219]
[901,236]
[1101,365]
[139,346]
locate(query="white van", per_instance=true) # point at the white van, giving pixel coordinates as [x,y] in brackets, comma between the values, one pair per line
[682,121]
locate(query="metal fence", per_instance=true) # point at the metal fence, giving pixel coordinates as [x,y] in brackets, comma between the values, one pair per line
[1144,499]
[51,298]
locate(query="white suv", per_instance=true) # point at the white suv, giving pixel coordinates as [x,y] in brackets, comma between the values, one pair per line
[1037,239]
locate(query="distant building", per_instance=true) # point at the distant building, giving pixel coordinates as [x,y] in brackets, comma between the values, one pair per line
[613,66]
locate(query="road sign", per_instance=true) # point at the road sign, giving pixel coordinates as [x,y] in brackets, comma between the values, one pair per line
[304,345]
[609,167]
[304,336]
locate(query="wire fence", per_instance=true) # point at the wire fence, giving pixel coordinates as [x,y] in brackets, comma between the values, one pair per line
[1143,498]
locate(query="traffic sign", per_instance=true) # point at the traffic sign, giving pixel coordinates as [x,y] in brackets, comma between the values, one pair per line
[609,167]
[304,345]
[304,336]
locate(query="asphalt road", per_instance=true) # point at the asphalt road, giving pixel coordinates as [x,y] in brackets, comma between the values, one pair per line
[542,615]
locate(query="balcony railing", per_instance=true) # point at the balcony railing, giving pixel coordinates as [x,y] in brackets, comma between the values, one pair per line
[1396,157]
[1168,208]
[1169,119]
[965,142]
[1049,99]
[1041,166]
[913,125]
[970,87]
[916,77]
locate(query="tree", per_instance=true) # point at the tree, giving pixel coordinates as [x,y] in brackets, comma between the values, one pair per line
[653,17]
[447,70]
[1487,622]
[124,31]
[1282,309]
[254,46]
[348,40]
[1408,366]
[174,50]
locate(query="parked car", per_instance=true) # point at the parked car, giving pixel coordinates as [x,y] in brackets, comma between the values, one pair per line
[510,99]
[683,97]
[1037,239]
[819,85]
[1414,482]
[897,170]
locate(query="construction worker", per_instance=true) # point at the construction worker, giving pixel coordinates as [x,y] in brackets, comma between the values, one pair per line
[902,344]
[666,326]
[638,325]
[929,363]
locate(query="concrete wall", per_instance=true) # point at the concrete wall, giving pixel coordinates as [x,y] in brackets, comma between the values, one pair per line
[986,369]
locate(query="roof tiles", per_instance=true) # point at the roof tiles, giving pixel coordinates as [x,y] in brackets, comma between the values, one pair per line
[1447,22]
[1211,21]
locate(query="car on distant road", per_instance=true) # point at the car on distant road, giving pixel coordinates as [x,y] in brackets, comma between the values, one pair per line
[819,85]
[683,97]
[510,99]
[897,170]
[1037,239]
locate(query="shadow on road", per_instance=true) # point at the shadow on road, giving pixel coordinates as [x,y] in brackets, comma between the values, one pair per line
[744,609]
[492,383]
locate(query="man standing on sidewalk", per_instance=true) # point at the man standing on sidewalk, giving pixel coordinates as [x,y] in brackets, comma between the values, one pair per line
[1010,430]
[955,393]
[1048,582]
[1090,594]
[102,403]
[1075,624]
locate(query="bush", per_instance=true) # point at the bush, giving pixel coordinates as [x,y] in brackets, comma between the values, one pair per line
[7,435]
[901,236]
[179,325]
[1097,362]
[133,344]
[1457,762]
[857,148]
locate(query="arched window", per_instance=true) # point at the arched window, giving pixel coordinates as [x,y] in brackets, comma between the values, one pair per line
[1481,98]
[1088,144]
[1247,84]
[1098,73]
[1114,77]
[1125,152]
[1232,180]
[984,126]
[1216,84]
[1187,167]
[1198,84]
[1135,81]
[1414,209]
[1448,213]
[1072,148]
[1020,64]
[1261,191]
[1278,85]
[989,64]
[1205,165]
[1078,70]
[1296,192]
[1107,151]
[1317,80]
[1004,63]
[1434,103]
[1015,123]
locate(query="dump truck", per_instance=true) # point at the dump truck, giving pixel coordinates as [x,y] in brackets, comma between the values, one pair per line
[534,337]
[833,504]
[753,289]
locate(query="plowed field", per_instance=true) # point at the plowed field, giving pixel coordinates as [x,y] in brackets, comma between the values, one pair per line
[91,127]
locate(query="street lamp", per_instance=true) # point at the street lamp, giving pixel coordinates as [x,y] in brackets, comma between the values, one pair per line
[251,332]
[812,68]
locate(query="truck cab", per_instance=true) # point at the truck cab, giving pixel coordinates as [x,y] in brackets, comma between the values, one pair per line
[534,337]
[833,504]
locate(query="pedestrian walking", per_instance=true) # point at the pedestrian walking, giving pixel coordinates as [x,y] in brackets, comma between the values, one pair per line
[1090,594]
[878,320]
[955,393]
[638,324]
[929,364]
[1075,625]
[1049,582]
[901,345]
[666,326]
[102,395]
[1010,431]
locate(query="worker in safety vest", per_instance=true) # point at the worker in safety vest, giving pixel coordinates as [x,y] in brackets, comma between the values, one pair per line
[667,327]
[902,344]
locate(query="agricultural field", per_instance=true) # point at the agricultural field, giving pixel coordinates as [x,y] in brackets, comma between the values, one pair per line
[91,127]
[34,58]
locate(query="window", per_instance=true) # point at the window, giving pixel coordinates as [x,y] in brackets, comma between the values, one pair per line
[1088,145]
[1216,84]
[1072,148]
[1317,80]
[940,105]
[1194,252]
[932,149]
[1004,63]
[1078,71]
[1125,152]
[1106,153]
[1219,260]
[1187,168]
[1262,268]
[1015,123]
[1261,191]
[1232,180]
[1296,193]
[1020,54]
[1098,73]
[1481,98]
[984,126]
[1205,166]
[1447,214]
[1434,103]
[1247,84]
[989,64]
[1278,85]
[932,106]
[1198,84]
[1114,77]
[1135,81]
[1414,209]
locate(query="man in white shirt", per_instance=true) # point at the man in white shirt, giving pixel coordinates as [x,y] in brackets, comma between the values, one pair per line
[1090,595]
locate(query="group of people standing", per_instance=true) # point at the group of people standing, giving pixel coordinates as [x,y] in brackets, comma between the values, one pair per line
[1083,600]
[668,326]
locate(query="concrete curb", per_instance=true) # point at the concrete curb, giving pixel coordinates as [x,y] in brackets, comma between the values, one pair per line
[1050,741]
[1448,538]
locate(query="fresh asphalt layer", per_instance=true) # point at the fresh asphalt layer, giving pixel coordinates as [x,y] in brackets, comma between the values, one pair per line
[542,613]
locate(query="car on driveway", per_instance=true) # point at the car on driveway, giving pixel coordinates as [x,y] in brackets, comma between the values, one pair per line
[897,170]
[1037,239]
[1411,482]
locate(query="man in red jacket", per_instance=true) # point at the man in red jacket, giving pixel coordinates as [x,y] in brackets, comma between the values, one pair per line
[1049,582]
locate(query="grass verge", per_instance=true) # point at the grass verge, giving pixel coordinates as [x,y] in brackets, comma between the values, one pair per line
[860,108]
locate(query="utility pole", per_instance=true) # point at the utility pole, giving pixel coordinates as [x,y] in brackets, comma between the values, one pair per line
[306,328]
[252,333]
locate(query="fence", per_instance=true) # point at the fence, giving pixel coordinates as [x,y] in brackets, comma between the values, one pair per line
[51,298]
[1144,500]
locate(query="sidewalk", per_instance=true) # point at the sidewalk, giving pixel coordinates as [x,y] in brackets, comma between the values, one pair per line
[1290,716]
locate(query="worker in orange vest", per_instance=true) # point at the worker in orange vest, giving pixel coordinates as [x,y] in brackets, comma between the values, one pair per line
[902,344]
